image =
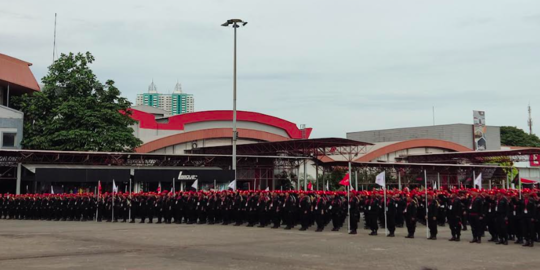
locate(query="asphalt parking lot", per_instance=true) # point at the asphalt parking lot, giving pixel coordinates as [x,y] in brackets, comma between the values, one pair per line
[92,245]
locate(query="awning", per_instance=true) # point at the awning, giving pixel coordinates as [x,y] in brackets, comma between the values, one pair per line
[529,181]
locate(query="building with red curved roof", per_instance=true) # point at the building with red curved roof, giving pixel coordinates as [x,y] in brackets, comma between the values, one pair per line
[175,134]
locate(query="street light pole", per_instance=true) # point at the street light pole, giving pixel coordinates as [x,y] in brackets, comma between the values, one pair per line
[235,24]
[235,135]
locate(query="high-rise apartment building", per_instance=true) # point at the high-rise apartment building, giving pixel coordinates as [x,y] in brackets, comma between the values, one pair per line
[175,103]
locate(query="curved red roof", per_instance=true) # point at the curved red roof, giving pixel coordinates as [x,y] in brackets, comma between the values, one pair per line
[17,72]
[177,122]
[415,143]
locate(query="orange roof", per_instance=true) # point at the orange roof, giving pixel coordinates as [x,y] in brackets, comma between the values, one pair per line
[17,72]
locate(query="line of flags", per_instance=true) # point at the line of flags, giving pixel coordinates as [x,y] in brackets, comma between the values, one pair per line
[380,180]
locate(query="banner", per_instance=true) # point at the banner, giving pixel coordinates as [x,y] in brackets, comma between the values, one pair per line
[535,160]
[479,131]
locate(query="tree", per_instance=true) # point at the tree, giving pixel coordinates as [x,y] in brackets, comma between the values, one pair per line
[74,111]
[513,136]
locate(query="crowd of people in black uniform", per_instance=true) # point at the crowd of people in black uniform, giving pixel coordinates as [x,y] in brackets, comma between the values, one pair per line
[507,215]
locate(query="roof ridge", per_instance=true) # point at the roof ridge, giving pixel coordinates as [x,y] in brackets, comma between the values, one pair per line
[11,58]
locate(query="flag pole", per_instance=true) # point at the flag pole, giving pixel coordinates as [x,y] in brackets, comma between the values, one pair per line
[519,187]
[130,199]
[113,184]
[349,200]
[385,210]
[174,184]
[427,219]
[399,179]
[97,204]
[356,179]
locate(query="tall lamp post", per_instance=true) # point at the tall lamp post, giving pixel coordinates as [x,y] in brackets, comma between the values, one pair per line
[235,24]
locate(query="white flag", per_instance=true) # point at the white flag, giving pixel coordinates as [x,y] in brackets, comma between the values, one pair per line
[267,189]
[435,186]
[478,181]
[380,180]
[114,187]
[195,184]
[52,190]
[327,185]
[232,185]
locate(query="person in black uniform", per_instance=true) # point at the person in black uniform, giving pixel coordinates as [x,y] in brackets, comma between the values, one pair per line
[290,209]
[410,212]
[391,210]
[251,209]
[275,210]
[150,204]
[514,226]
[476,214]
[527,219]
[431,217]
[491,215]
[168,207]
[335,208]
[305,211]
[225,206]
[263,209]
[373,208]
[237,202]
[319,209]
[501,218]
[442,198]
[354,208]
[454,214]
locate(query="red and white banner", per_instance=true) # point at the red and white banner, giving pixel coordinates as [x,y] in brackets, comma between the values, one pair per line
[534,160]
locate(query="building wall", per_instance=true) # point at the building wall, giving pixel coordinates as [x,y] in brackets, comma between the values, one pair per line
[179,149]
[11,121]
[458,133]
[148,135]
[530,173]
[391,157]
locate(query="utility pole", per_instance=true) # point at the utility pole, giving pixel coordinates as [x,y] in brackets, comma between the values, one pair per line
[235,23]
[529,122]
[54,41]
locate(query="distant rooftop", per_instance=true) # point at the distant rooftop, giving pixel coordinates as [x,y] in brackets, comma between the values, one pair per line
[151,110]
[17,74]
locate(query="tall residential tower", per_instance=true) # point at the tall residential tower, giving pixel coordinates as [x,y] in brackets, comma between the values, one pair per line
[175,103]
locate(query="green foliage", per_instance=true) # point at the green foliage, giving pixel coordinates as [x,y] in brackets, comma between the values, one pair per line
[74,111]
[513,136]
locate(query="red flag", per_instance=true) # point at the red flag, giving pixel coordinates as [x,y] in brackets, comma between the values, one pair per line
[99,187]
[345,181]
[310,186]
[159,188]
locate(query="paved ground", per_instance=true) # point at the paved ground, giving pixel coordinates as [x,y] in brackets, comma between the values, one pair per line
[91,245]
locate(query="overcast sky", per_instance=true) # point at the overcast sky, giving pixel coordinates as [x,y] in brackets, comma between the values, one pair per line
[336,66]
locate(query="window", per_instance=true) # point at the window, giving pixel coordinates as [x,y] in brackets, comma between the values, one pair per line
[8,139]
